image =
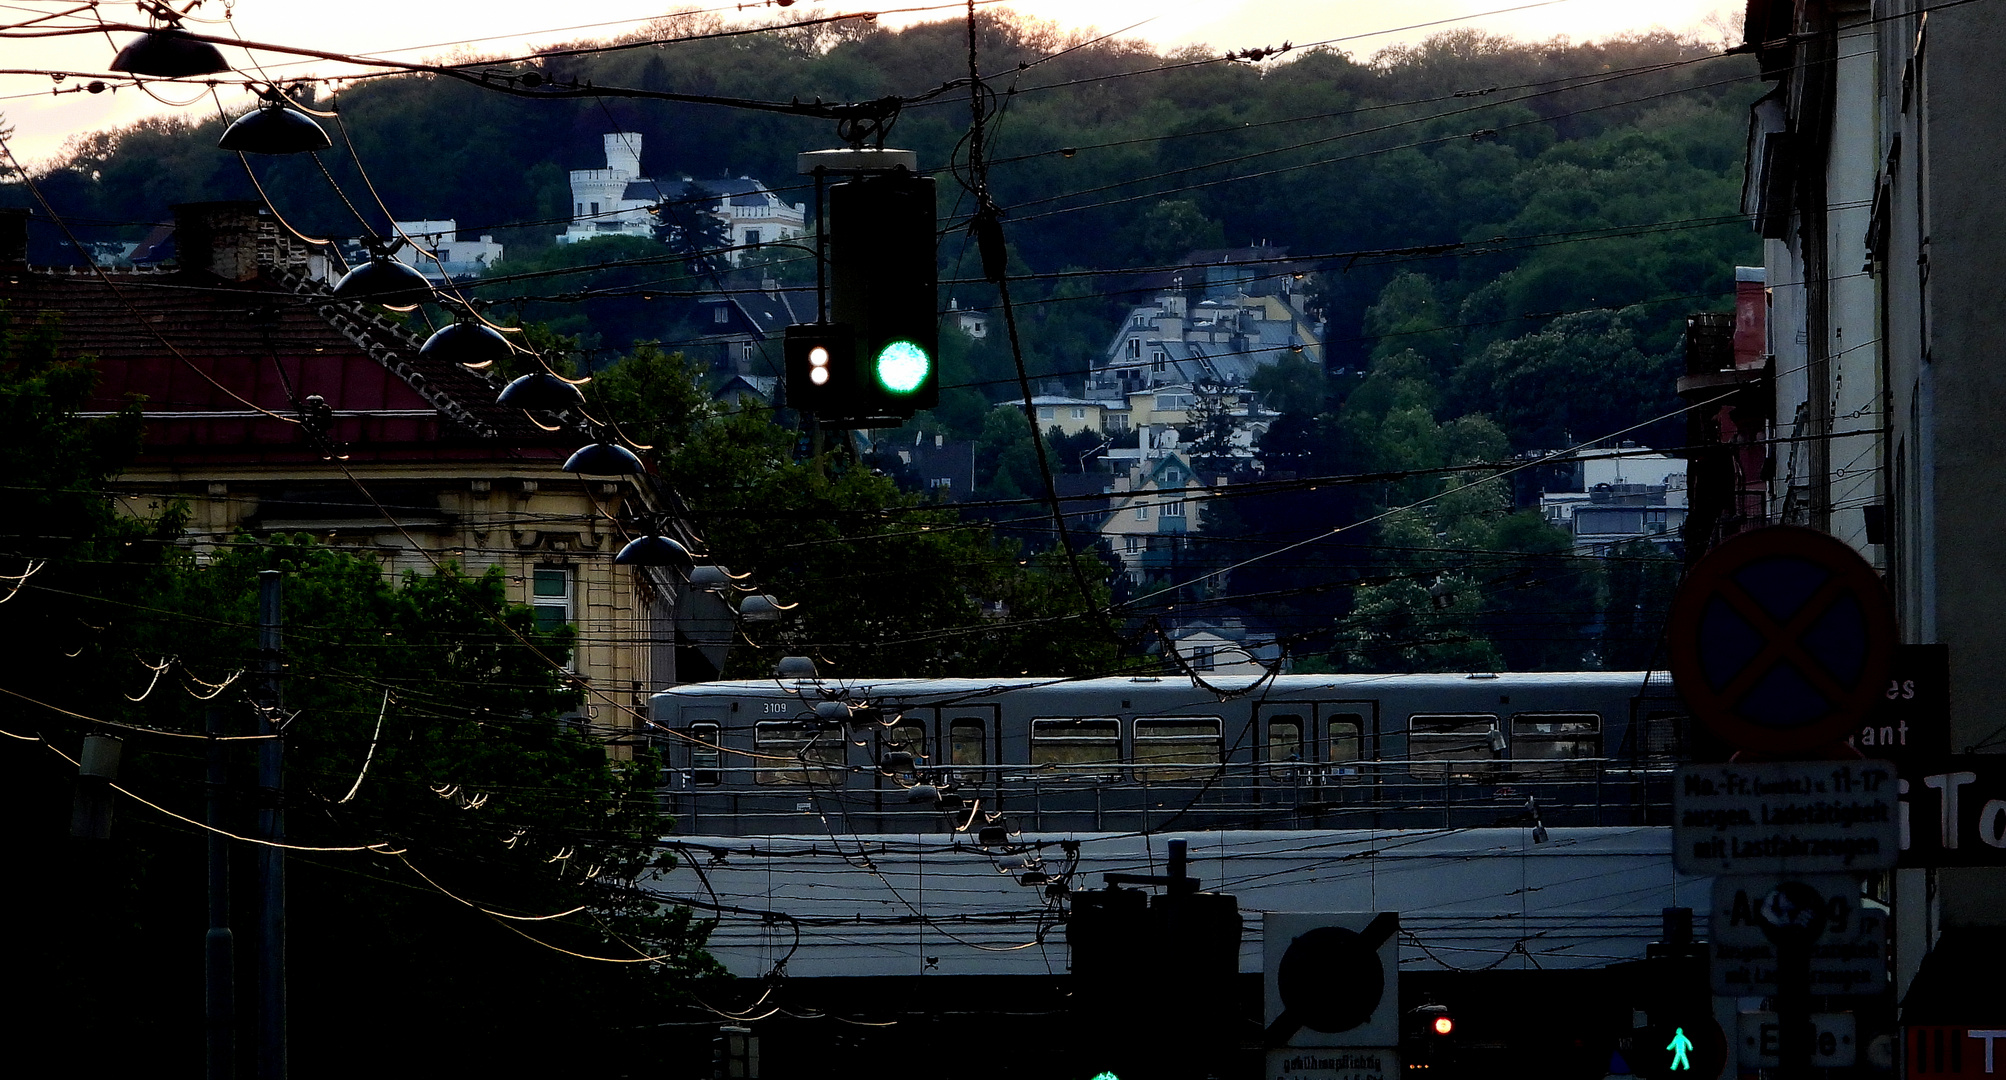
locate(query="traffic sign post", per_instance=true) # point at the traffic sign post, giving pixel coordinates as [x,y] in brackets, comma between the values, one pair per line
[1331,979]
[1848,952]
[1780,640]
[1799,817]
[1834,1040]
[1331,989]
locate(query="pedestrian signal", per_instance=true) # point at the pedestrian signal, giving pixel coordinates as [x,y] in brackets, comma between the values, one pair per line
[821,370]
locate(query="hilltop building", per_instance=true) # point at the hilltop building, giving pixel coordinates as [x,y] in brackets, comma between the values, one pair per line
[619,199]
[442,254]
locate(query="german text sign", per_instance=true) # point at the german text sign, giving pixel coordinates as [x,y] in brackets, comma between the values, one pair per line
[1848,955]
[1333,1064]
[1796,817]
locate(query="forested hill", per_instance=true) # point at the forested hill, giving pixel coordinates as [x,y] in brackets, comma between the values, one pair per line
[1105,154]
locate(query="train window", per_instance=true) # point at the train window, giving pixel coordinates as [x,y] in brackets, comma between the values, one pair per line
[1660,738]
[966,742]
[821,754]
[1556,744]
[1177,748]
[1347,742]
[1076,744]
[903,736]
[1285,743]
[1444,746]
[705,757]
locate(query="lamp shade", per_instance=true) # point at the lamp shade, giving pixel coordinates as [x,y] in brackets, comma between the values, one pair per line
[794,667]
[384,281]
[541,391]
[274,129]
[714,578]
[169,54]
[653,551]
[468,344]
[760,607]
[604,459]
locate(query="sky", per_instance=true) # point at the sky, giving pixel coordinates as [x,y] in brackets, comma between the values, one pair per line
[432,29]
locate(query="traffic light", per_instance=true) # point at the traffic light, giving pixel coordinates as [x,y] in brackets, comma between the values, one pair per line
[1429,1036]
[821,366]
[883,284]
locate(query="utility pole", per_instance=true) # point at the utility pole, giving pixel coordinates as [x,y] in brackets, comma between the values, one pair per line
[219,948]
[272,829]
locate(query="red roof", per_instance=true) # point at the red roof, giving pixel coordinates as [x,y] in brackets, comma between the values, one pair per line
[205,355]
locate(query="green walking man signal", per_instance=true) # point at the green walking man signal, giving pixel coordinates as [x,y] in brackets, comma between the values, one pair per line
[1679,1046]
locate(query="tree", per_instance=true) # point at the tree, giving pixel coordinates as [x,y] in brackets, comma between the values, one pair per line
[424,736]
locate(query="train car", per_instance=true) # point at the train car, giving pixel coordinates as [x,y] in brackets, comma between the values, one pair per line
[1145,752]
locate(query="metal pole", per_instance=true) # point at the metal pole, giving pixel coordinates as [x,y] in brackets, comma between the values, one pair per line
[219,947]
[271,827]
[1794,1037]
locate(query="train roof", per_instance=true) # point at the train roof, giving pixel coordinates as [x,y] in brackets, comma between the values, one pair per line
[1348,684]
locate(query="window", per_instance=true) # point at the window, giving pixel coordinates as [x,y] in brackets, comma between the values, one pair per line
[1076,745]
[1202,657]
[1080,413]
[1142,512]
[595,208]
[1134,348]
[905,735]
[1173,476]
[966,743]
[1045,412]
[821,754]
[1157,363]
[550,597]
[720,314]
[752,237]
[1443,746]
[1347,742]
[1133,544]
[1179,748]
[1556,744]
[581,210]
[941,482]
[1285,743]
[1173,509]
[706,759]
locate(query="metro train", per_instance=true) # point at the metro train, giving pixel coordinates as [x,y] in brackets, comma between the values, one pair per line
[1143,752]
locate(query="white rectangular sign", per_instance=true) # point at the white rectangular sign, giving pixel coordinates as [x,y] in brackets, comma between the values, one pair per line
[1834,1040]
[1333,1064]
[1849,955]
[1790,817]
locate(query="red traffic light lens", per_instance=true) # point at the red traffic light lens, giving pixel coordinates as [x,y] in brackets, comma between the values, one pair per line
[1444,1025]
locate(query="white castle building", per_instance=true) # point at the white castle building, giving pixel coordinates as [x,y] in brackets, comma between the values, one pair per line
[615,201]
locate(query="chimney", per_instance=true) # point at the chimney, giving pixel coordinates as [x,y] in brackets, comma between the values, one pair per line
[234,240]
[220,237]
[14,236]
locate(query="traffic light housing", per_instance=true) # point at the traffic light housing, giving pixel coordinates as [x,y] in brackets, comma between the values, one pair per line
[1429,1036]
[821,366]
[884,285]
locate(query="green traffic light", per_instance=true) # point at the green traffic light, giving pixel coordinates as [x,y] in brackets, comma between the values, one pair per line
[903,367]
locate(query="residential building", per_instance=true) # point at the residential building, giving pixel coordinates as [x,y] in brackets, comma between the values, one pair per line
[939,466]
[741,327]
[442,255]
[1608,497]
[973,323]
[1070,415]
[270,408]
[752,216]
[1151,516]
[1879,150]
[1216,319]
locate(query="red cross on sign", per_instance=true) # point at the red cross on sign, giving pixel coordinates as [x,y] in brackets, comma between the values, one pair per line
[1779,639]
